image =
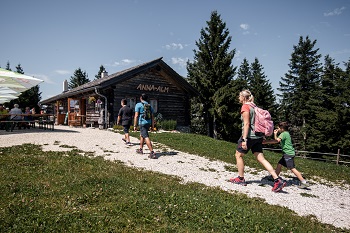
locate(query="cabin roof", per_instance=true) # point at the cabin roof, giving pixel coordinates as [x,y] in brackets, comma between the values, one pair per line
[113,79]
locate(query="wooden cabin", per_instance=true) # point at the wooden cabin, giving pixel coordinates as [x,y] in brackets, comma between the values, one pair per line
[169,95]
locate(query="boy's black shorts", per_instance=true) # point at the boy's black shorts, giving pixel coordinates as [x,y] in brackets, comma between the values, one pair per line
[287,161]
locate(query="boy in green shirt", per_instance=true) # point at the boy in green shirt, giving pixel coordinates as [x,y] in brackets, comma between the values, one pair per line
[288,152]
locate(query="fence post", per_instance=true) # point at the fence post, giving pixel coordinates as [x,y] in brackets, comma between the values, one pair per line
[338,155]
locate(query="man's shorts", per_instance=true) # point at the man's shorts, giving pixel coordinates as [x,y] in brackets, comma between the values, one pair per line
[126,128]
[144,130]
[252,144]
[287,161]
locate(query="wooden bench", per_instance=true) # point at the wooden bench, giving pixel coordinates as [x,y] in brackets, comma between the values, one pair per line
[44,121]
[42,124]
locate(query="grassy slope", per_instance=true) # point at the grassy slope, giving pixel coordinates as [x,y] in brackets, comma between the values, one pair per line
[65,192]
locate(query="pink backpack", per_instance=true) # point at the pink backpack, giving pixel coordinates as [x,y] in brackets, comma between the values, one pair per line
[263,125]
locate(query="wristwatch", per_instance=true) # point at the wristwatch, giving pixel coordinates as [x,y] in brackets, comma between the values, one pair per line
[244,139]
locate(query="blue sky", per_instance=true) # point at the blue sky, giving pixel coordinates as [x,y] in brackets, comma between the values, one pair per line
[51,39]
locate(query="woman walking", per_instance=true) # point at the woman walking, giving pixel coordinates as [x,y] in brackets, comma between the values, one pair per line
[250,141]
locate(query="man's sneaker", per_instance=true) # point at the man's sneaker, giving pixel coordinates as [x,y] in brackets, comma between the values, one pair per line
[129,144]
[152,155]
[124,140]
[279,185]
[139,151]
[304,185]
[239,181]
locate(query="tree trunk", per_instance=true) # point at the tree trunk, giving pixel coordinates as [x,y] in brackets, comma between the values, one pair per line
[215,132]
[209,122]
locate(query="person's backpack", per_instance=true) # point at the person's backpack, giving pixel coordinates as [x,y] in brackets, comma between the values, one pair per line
[263,125]
[146,111]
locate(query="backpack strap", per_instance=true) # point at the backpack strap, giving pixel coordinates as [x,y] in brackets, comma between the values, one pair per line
[251,104]
[252,121]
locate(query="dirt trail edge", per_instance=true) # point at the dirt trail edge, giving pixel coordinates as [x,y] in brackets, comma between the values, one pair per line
[330,204]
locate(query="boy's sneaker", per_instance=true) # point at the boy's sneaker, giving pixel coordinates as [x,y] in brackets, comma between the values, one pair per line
[279,185]
[152,155]
[124,140]
[268,178]
[129,144]
[238,180]
[139,151]
[304,185]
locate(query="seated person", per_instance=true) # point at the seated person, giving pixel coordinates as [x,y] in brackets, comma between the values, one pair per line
[16,115]
[3,112]
[27,118]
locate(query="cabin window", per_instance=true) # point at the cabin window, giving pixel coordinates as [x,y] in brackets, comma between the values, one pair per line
[74,105]
[154,104]
[131,103]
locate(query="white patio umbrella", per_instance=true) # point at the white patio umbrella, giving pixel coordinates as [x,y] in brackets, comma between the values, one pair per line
[12,91]
[8,96]
[16,81]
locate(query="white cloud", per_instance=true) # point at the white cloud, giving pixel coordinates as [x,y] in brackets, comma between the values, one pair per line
[43,77]
[237,54]
[244,26]
[336,11]
[174,46]
[123,62]
[179,61]
[63,72]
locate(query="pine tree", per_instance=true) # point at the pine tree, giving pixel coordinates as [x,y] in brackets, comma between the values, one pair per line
[8,66]
[211,68]
[29,98]
[226,104]
[79,78]
[326,119]
[244,74]
[299,90]
[98,75]
[344,110]
[261,88]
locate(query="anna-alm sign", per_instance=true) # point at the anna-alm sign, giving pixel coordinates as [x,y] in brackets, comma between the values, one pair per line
[145,87]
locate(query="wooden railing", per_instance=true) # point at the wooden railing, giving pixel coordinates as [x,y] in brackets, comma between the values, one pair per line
[44,121]
[304,154]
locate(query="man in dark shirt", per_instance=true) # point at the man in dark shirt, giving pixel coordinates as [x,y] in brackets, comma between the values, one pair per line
[125,119]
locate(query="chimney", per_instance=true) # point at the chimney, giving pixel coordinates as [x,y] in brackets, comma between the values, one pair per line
[65,85]
[104,74]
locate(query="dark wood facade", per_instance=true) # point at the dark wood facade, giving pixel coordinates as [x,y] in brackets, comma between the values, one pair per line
[168,93]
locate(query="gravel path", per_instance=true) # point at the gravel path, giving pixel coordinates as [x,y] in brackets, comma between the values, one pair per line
[330,204]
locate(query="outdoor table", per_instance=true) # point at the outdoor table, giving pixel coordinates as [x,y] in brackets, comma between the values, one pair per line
[44,121]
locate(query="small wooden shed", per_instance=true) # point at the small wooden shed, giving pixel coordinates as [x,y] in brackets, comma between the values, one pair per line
[169,94]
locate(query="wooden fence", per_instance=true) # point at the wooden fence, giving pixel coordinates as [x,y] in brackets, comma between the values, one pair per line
[304,154]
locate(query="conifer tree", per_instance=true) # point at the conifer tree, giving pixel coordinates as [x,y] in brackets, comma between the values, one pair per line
[79,78]
[344,110]
[261,88]
[299,90]
[29,98]
[331,113]
[244,73]
[211,68]
[8,66]
[98,75]
[226,104]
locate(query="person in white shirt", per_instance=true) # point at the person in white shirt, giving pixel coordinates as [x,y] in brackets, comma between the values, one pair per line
[16,115]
